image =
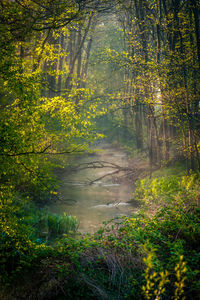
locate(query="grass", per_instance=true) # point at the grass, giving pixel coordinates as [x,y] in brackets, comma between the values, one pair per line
[178,169]
[45,226]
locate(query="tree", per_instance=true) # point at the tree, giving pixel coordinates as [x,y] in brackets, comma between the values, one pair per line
[159,65]
[36,123]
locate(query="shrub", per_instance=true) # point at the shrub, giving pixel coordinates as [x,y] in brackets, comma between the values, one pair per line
[168,190]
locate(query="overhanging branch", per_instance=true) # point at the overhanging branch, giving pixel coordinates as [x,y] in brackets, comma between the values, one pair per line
[42,152]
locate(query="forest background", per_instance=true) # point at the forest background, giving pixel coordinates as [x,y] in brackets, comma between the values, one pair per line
[71,73]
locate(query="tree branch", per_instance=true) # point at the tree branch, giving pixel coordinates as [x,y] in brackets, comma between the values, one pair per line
[41,152]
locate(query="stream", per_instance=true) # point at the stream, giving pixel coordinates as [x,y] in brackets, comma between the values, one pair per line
[100,201]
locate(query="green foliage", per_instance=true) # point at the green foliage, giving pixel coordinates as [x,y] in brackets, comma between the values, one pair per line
[24,231]
[169,190]
[142,257]
[16,250]
[60,224]
[155,283]
[36,124]
[137,257]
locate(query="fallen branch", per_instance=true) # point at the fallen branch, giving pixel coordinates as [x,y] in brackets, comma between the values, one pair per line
[105,164]
[105,175]
[99,165]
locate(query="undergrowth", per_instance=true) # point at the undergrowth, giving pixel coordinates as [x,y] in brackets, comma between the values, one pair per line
[145,256]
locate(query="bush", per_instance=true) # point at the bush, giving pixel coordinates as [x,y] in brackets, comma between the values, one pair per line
[137,257]
[168,190]
[22,238]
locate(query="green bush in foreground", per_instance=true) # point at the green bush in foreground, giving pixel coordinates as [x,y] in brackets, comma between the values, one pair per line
[137,257]
[25,233]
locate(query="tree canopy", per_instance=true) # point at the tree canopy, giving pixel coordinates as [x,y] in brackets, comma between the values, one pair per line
[73,72]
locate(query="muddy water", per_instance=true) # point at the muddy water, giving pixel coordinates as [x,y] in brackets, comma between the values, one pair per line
[94,203]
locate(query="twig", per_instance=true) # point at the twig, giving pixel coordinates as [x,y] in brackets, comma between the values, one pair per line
[105,175]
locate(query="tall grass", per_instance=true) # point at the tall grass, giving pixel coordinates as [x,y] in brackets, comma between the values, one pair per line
[44,225]
[60,224]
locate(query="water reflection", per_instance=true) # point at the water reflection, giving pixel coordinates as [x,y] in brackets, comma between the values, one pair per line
[103,200]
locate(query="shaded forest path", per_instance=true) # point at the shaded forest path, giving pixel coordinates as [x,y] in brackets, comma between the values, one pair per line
[99,187]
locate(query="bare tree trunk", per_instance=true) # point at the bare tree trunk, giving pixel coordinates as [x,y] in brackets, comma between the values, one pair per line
[138,126]
[60,66]
[79,56]
[77,53]
[150,146]
[87,54]
[195,11]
